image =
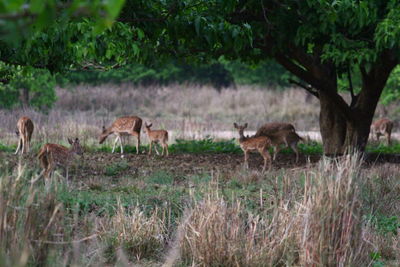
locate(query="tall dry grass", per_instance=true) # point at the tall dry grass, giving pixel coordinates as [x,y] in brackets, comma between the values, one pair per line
[134,233]
[323,228]
[188,111]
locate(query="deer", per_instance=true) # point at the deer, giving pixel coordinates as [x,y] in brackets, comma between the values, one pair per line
[24,132]
[280,133]
[123,126]
[259,143]
[273,127]
[285,137]
[157,136]
[52,155]
[382,126]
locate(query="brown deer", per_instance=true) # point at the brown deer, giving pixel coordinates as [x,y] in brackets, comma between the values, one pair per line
[273,127]
[280,133]
[259,143]
[157,136]
[124,126]
[24,132]
[382,126]
[288,138]
[52,155]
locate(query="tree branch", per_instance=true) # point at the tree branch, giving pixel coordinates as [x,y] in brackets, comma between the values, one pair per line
[308,88]
[320,85]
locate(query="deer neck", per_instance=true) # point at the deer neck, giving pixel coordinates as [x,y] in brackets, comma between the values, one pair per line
[242,137]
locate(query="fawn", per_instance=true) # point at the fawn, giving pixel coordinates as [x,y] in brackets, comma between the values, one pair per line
[52,155]
[382,126]
[124,126]
[280,133]
[157,136]
[24,132]
[259,143]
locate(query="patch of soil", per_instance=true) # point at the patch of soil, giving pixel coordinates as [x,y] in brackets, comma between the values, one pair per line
[99,163]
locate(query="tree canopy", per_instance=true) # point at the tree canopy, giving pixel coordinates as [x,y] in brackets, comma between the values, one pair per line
[321,42]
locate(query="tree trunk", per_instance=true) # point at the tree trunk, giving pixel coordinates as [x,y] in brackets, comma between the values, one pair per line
[24,97]
[346,135]
[332,126]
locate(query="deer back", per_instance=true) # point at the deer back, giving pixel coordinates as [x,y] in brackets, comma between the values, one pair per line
[273,127]
[25,127]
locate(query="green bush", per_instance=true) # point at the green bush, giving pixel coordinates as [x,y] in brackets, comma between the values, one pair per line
[26,86]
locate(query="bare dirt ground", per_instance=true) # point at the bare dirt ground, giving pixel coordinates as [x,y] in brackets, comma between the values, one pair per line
[96,164]
[132,165]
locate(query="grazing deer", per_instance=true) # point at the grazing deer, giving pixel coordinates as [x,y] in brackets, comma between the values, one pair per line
[285,137]
[273,127]
[24,132]
[280,133]
[382,126]
[53,155]
[259,143]
[157,136]
[124,126]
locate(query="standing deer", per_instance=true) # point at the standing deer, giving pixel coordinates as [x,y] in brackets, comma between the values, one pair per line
[53,155]
[259,143]
[273,127]
[157,136]
[124,126]
[24,132]
[382,126]
[287,138]
[280,133]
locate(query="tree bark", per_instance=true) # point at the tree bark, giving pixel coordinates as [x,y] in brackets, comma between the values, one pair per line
[332,126]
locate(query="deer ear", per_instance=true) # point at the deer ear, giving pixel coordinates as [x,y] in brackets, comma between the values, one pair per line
[245,125]
[70,141]
[235,125]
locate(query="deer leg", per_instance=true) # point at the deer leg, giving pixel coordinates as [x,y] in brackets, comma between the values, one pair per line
[388,138]
[163,148]
[115,143]
[137,141]
[294,147]
[246,157]
[151,142]
[155,147]
[19,145]
[166,147]
[120,143]
[267,157]
[277,148]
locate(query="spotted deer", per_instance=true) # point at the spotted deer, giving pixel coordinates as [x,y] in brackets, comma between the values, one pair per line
[123,126]
[382,126]
[157,136]
[259,143]
[52,155]
[280,133]
[24,132]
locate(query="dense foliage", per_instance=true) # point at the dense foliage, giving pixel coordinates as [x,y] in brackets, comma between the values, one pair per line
[328,45]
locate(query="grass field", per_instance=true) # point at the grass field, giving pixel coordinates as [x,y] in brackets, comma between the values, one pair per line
[199,206]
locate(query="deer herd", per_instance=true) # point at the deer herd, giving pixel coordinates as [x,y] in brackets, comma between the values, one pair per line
[270,135]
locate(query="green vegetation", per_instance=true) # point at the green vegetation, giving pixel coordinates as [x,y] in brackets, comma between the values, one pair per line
[135,217]
[209,145]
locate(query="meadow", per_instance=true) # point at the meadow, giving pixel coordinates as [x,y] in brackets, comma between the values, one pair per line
[199,206]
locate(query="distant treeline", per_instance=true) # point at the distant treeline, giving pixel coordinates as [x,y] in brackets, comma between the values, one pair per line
[219,74]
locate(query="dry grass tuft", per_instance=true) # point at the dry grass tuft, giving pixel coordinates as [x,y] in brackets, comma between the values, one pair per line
[323,228]
[132,231]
